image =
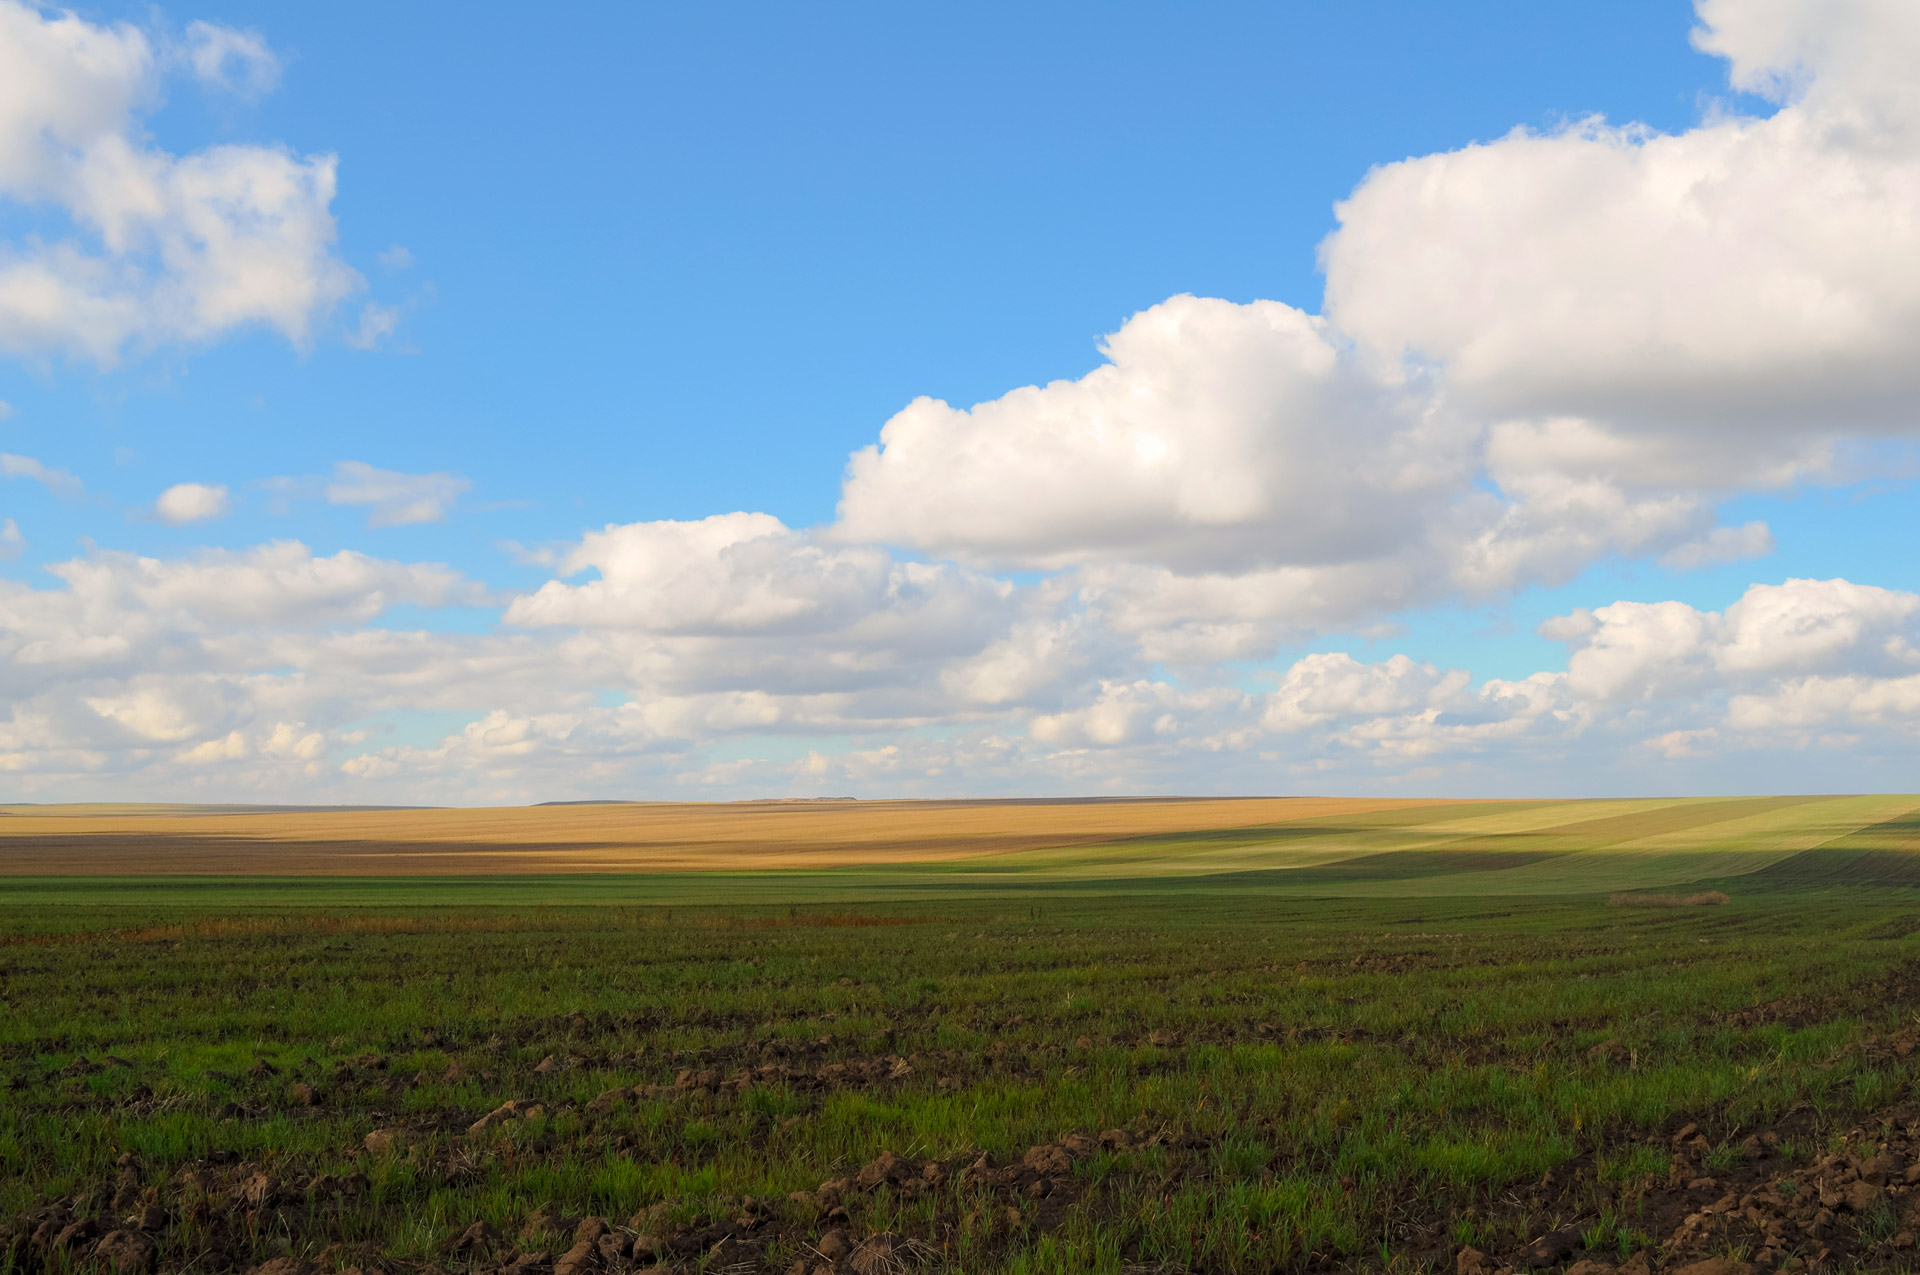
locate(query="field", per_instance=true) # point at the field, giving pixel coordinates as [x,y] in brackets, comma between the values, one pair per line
[1142,1036]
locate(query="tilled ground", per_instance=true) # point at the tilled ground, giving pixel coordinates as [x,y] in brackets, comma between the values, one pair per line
[1855,1206]
[1732,1201]
[965,1093]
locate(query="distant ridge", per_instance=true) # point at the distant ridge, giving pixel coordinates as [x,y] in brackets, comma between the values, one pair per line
[745,801]
[184,808]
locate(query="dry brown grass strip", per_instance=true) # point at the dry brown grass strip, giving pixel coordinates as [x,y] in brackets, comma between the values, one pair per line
[1705,899]
[225,927]
[817,921]
[222,927]
[641,837]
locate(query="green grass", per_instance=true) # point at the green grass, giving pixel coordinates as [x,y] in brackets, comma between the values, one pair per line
[1303,1067]
[1357,1043]
[1524,848]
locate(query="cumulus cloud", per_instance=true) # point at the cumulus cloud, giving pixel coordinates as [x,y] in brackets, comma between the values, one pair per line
[741,573]
[57,481]
[1538,353]
[377,323]
[1133,712]
[1236,476]
[1215,436]
[260,659]
[738,619]
[394,499]
[275,585]
[160,248]
[237,62]
[1745,275]
[191,502]
[262,667]
[1321,688]
[1784,660]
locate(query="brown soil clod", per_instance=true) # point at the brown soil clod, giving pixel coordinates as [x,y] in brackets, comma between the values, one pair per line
[126,1252]
[285,1266]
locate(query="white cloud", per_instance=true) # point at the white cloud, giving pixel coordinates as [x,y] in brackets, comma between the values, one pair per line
[1788,657]
[12,543]
[233,747]
[396,257]
[1747,275]
[57,481]
[162,248]
[1235,477]
[191,502]
[1322,688]
[1202,618]
[253,660]
[394,499]
[1641,650]
[121,595]
[1722,544]
[377,323]
[237,62]
[739,573]
[1216,436]
[1816,626]
[166,714]
[1539,353]
[260,668]
[1125,713]
[735,621]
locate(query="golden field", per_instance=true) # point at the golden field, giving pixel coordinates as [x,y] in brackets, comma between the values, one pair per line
[628,837]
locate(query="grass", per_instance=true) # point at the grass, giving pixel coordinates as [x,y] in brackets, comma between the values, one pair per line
[1099,1058]
[1703,899]
[1289,1073]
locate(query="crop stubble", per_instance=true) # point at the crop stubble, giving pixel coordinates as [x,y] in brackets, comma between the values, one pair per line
[1314,843]
[636,837]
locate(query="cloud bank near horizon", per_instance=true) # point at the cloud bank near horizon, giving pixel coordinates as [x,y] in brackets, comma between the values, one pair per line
[1536,354]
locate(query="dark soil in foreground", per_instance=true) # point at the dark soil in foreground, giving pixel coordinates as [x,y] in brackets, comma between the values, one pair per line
[1178,1086]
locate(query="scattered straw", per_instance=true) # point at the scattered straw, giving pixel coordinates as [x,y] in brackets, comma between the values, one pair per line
[812,921]
[1708,899]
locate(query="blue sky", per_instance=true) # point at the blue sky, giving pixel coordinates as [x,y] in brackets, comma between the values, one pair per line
[675,260]
[637,264]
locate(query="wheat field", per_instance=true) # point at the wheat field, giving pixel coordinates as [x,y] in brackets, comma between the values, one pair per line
[1306,845]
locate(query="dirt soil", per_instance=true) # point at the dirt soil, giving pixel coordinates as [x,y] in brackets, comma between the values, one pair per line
[1854,1204]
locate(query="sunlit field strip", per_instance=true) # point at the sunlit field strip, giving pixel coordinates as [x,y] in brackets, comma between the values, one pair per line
[634,837]
[1366,851]
[1557,827]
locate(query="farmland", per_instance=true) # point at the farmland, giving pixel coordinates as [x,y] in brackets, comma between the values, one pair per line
[779,852]
[1175,1036]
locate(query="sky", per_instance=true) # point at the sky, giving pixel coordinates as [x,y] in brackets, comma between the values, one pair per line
[463,405]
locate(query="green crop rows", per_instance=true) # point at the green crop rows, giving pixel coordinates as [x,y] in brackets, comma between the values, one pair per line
[1357,1071]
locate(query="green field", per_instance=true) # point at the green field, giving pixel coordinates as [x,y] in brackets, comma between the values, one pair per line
[1507,848]
[1431,1038]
